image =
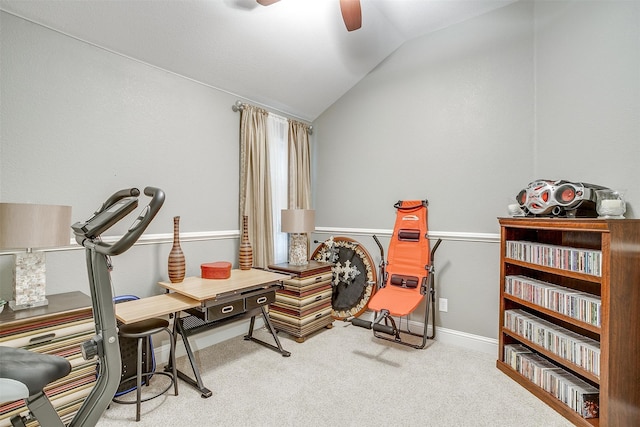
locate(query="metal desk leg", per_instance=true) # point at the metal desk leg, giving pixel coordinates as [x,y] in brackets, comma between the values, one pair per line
[197,383]
[269,326]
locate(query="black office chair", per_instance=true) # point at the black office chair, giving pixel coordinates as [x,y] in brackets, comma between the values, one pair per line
[138,359]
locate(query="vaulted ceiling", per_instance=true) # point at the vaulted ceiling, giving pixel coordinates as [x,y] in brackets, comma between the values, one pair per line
[295,56]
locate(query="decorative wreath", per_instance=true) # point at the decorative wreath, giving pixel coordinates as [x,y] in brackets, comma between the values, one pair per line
[354,275]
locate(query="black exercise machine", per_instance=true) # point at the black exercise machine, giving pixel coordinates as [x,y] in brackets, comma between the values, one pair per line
[24,374]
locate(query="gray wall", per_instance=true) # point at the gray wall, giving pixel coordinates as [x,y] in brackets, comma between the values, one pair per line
[468,116]
[79,123]
[465,117]
[588,94]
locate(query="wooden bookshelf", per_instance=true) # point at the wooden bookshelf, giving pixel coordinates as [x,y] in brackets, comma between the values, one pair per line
[615,280]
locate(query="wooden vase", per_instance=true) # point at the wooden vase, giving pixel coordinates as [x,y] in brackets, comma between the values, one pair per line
[245,261]
[176,256]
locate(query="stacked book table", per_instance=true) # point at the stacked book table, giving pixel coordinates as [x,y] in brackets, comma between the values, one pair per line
[303,305]
[59,328]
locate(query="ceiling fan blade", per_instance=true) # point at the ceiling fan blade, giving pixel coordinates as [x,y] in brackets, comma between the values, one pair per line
[351,14]
[267,2]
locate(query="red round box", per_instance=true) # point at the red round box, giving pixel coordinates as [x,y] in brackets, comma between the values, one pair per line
[216,270]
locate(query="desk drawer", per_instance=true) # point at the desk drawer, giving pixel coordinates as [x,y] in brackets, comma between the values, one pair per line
[260,299]
[225,309]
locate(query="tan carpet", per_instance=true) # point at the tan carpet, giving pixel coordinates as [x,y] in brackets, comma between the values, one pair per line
[342,377]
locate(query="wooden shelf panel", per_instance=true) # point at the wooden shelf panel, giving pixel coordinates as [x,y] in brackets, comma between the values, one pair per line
[594,225]
[557,271]
[586,326]
[558,359]
[547,398]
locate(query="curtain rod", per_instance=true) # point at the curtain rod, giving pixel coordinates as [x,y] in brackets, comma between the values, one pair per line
[239,106]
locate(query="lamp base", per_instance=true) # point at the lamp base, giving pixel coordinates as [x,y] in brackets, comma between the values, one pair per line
[298,249]
[29,274]
[17,307]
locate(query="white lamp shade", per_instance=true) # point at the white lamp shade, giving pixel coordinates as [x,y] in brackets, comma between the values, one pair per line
[298,220]
[25,226]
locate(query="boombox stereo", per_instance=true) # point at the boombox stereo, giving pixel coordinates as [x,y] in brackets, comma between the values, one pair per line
[558,198]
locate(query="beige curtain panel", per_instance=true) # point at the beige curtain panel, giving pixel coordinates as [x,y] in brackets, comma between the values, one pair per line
[255,186]
[299,169]
[299,166]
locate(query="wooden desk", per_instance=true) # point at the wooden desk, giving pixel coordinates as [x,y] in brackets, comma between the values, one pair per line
[213,289]
[246,293]
[155,306]
[193,292]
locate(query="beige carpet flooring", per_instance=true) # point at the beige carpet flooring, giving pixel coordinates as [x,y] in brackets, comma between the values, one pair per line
[341,377]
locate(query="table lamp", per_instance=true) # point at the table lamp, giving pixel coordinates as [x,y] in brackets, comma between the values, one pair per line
[27,227]
[297,222]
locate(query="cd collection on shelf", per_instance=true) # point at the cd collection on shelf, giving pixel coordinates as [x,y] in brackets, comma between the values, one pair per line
[571,259]
[569,297]
[577,349]
[570,302]
[577,394]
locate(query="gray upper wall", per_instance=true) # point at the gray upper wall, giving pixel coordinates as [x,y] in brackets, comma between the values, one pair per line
[79,123]
[469,115]
[588,94]
[448,117]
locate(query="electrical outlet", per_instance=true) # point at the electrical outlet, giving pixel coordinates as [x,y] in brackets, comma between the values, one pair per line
[443,304]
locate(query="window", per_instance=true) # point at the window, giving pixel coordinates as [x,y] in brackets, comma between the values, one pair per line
[277,145]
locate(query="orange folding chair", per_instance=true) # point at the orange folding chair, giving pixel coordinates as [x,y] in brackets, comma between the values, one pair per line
[406,278]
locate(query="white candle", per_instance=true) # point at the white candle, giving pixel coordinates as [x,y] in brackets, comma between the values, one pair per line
[611,204]
[611,207]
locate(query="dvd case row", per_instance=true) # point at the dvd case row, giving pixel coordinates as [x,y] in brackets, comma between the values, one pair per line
[578,305]
[577,394]
[579,260]
[578,349]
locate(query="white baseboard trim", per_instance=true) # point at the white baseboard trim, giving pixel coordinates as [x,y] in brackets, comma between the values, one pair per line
[453,337]
[466,340]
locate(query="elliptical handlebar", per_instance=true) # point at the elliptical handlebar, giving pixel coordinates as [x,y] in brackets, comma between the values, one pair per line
[113,210]
[139,225]
[118,195]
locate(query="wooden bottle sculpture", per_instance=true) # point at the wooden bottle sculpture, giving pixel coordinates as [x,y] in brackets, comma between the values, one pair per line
[176,256]
[245,261]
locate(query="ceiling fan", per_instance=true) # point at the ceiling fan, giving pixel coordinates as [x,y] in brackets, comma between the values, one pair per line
[351,12]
